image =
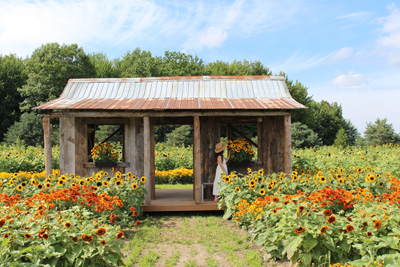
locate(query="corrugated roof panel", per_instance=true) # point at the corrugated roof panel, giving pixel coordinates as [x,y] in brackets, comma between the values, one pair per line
[207,92]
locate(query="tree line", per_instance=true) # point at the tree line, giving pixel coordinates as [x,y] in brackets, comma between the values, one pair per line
[28,82]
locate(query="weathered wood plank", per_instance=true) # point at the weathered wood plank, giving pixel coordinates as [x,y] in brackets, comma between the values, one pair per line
[183,113]
[288,144]
[81,147]
[67,145]
[130,145]
[152,161]
[147,159]
[197,172]
[48,159]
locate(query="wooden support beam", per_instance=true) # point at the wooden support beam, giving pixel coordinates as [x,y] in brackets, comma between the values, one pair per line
[152,161]
[48,160]
[147,159]
[81,147]
[166,113]
[288,144]
[197,160]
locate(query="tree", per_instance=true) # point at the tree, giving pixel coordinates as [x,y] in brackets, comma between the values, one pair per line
[180,64]
[138,64]
[379,133]
[29,130]
[12,76]
[341,138]
[236,68]
[104,67]
[181,135]
[49,68]
[302,136]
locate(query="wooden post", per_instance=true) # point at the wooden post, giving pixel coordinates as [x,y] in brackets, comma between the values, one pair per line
[147,159]
[288,144]
[197,160]
[81,147]
[67,145]
[152,161]
[48,160]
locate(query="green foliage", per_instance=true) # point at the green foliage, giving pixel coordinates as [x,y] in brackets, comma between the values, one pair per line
[174,157]
[21,158]
[49,69]
[12,76]
[181,135]
[341,139]
[380,132]
[104,67]
[138,64]
[302,136]
[236,68]
[29,130]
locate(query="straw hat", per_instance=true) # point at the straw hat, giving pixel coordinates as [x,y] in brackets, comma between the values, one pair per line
[219,147]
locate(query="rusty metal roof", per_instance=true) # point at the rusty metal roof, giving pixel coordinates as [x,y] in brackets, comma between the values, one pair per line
[175,93]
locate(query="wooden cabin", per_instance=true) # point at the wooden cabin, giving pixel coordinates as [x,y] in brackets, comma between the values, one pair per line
[139,104]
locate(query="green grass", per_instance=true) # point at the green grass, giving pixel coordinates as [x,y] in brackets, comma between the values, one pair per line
[210,232]
[174,186]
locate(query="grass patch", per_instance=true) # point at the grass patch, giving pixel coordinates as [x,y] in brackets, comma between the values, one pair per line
[195,236]
[174,186]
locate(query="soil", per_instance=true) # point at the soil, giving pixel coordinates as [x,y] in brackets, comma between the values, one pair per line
[195,251]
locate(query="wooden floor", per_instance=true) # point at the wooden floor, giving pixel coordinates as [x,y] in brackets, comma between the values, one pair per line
[177,200]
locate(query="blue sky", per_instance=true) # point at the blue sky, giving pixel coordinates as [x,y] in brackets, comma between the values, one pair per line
[343,51]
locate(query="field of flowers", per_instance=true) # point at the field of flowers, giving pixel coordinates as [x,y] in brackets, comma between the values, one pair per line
[337,206]
[66,220]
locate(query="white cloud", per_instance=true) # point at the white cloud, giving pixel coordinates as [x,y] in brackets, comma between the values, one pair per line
[388,45]
[299,62]
[190,25]
[350,81]
[354,15]
[342,54]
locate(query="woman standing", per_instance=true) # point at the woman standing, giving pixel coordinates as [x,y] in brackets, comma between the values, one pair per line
[221,167]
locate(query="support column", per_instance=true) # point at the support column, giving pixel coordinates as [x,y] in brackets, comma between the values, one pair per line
[288,144]
[48,160]
[197,160]
[67,145]
[147,159]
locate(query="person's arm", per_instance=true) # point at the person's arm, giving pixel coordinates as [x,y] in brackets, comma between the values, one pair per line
[219,160]
[228,156]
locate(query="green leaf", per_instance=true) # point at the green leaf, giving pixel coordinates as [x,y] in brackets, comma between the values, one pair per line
[291,245]
[309,243]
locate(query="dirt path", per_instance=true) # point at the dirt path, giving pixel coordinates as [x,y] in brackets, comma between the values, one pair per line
[192,241]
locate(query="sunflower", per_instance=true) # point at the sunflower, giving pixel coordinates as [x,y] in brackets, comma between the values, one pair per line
[331,219]
[113,217]
[261,172]
[381,184]
[101,231]
[20,187]
[134,186]
[252,183]
[129,174]
[322,179]
[327,213]
[87,238]
[60,182]
[105,183]
[81,182]
[252,187]
[323,229]
[48,185]
[103,242]
[120,235]
[45,236]
[299,230]
[349,228]
[377,224]
[143,179]
[33,182]
[237,189]
[371,179]
[119,182]
[67,225]
[301,208]
[341,181]
[118,175]
[262,192]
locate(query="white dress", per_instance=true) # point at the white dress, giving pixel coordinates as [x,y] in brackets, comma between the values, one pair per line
[218,177]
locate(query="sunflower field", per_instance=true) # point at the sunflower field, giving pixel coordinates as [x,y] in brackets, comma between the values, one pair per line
[67,220]
[338,206]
